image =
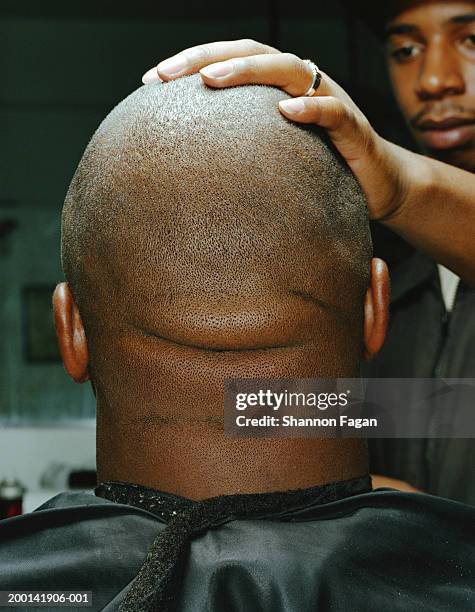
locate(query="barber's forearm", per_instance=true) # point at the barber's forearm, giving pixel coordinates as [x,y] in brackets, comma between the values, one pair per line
[392,483]
[436,213]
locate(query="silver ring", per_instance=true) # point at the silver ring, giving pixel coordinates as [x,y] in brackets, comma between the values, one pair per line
[317,78]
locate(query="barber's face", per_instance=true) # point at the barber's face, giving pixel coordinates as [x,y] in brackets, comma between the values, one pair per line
[431,56]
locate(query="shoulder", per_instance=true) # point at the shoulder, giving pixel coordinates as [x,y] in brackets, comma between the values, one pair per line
[75,541]
[366,552]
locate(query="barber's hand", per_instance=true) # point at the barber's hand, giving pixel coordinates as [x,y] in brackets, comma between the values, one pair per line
[376,163]
[393,483]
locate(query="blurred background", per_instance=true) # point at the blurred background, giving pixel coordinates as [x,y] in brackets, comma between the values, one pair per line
[65,65]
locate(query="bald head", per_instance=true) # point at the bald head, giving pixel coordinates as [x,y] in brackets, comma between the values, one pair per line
[188,199]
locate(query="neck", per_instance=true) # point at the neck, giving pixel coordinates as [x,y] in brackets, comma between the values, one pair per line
[200,462]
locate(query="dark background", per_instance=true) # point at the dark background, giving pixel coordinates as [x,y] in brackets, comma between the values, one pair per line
[64,66]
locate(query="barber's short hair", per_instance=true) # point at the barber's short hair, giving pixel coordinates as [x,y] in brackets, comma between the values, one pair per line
[375,13]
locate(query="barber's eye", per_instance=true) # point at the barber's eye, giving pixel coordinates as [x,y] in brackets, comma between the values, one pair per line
[469,41]
[405,53]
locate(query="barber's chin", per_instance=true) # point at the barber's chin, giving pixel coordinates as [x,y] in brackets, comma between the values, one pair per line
[462,156]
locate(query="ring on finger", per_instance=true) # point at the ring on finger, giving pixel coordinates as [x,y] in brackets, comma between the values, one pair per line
[317,78]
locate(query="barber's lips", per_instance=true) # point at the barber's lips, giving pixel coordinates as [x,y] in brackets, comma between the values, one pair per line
[448,133]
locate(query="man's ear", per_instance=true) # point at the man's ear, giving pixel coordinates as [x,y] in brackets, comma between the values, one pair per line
[376,308]
[70,333]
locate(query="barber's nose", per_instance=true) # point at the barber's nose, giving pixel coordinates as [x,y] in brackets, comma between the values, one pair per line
[440,74]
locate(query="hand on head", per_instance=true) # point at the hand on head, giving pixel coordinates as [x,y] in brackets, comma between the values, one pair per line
[375,162]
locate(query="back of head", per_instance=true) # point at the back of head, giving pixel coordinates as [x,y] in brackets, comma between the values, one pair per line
[205,237]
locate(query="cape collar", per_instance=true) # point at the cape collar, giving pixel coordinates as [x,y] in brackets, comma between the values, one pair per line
[166,506]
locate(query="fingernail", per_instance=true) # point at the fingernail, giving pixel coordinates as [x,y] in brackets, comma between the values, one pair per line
[293,106]
[150,76]
[219,70]
[173,66]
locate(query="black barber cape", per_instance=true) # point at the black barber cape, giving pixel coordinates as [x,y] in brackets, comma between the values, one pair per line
[338,548]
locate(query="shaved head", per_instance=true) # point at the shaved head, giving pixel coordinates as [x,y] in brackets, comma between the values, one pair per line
[188,200]
[205,237]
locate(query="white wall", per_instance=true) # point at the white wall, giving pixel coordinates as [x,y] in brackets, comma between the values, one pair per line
[25,452]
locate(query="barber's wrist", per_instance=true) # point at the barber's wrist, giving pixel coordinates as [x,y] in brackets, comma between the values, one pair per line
[409,180]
